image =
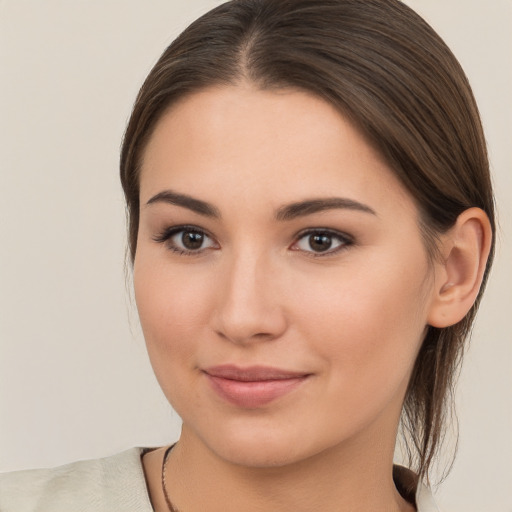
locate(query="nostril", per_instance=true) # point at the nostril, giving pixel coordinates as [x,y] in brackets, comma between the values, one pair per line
[245,334]
[250,325]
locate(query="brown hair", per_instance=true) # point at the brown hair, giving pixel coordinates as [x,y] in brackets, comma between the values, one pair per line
[386,69]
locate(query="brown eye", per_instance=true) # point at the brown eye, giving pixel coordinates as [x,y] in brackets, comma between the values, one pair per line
[192,240]
[189,241]
[320,242]
[186,240]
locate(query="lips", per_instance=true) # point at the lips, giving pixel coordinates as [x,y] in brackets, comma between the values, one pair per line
[254,386]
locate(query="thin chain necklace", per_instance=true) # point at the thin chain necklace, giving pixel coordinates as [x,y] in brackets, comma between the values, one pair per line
[170,506]
[164,487]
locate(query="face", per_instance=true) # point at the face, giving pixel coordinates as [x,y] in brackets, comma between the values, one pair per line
[280,276]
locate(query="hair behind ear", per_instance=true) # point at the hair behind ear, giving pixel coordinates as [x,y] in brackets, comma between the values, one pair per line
[461,269]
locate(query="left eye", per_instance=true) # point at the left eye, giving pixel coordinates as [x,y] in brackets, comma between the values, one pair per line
[319,242]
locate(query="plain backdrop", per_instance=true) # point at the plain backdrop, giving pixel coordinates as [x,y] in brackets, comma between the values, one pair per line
[75,381]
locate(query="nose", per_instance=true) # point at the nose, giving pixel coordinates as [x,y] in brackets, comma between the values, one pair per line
[249,305]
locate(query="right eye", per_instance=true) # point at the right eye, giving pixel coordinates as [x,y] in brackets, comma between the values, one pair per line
[186,240]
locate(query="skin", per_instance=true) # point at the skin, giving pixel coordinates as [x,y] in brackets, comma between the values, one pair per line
[255,294]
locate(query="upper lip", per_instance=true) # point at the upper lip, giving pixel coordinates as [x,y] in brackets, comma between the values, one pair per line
[252,373]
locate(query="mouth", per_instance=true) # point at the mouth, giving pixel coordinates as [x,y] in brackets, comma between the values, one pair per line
[254,386]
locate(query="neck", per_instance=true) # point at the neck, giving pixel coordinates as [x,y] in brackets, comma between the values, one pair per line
[342,478]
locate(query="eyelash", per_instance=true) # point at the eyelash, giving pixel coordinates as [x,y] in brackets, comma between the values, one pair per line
[345,241]
[166,235]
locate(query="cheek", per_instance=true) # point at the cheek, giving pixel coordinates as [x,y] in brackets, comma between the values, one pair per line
[172,306]
[367,323]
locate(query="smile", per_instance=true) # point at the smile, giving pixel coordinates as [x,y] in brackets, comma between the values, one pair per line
[252,387]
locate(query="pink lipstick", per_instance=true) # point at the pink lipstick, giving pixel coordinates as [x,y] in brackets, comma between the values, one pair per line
[254,386]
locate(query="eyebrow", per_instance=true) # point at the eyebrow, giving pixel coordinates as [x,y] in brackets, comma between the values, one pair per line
[185,201]
[285,213]
[310,206]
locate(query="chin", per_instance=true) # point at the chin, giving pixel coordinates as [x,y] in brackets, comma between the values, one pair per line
[259,455]
[265,448]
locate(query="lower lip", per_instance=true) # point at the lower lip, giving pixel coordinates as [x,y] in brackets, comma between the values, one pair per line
[253,394]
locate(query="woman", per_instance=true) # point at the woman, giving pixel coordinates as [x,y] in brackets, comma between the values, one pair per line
[311,226]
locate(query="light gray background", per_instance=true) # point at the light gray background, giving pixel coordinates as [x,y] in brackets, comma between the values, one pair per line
[74,377]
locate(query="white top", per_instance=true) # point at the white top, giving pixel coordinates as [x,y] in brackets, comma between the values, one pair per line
[111,484]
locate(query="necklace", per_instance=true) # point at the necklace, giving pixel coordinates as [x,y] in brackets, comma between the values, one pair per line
[164,488]
[172,508]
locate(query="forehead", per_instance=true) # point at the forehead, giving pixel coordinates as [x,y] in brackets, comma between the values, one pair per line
[269,143]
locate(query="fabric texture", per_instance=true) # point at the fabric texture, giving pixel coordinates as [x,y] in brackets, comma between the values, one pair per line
[111,484]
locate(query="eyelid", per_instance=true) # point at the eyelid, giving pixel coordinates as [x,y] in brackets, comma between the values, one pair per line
[346,239]
[165,236]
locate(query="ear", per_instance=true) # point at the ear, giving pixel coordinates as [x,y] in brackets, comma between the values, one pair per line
[458,277]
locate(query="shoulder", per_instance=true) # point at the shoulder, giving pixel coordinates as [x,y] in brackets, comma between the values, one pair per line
[111,483]
[413,490]
[425,499]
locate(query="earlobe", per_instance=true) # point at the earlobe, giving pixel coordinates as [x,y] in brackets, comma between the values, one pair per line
[465,249]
